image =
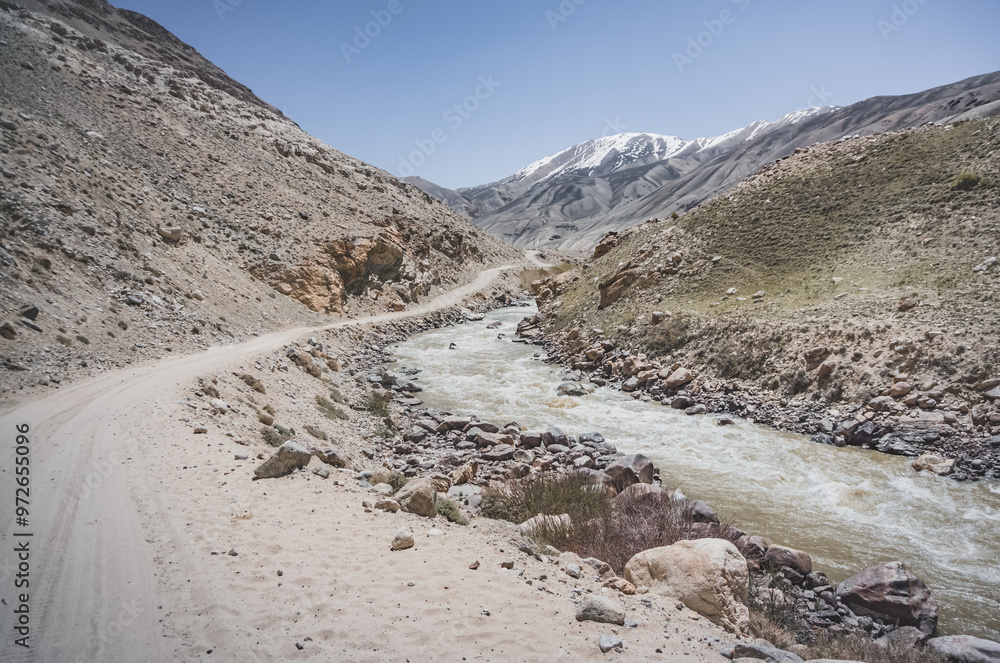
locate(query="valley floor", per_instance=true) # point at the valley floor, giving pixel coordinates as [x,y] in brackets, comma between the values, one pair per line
[135,522]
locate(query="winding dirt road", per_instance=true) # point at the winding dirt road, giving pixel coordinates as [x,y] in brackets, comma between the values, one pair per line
[92,584]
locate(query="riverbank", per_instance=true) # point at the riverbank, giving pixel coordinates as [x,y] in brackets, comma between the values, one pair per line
[960,439]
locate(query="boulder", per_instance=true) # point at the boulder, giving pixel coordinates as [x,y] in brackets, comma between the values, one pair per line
[638,491]
[794,559]
[764,653]
[630,470]
[890,592]
[418,496]
[333,457]
[288,458]
[465,474]
[531,439]
[170,233]
[708,575]
[596,608]
[966,649]
[403,539]
[500,453]
[679,378]
[934,463]
[392,506]
[556,436]
[442,484]
[900,389]
[702,513]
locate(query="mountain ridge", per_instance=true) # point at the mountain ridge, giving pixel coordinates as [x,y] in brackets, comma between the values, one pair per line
[575,209]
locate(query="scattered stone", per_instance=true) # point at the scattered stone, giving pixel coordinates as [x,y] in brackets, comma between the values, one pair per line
[403,539]
[764,653]
[789,557]
[573,571]
[322,471]
[609,642]
[631,470]
[937,464]
[620,585]
[333,457]
[474,565]
[985,265]
[418,496]
[289,457]
[392,506]
[601,609]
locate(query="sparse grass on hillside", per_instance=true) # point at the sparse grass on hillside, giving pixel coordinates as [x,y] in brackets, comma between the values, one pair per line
[329,410]
[834,237]
[376,403]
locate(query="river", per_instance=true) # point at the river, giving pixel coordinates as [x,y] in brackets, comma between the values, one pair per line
[849,508]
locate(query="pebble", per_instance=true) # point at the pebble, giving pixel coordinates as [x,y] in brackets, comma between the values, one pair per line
[609,642]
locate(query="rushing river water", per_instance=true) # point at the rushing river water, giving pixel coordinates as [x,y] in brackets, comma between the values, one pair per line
[848,507]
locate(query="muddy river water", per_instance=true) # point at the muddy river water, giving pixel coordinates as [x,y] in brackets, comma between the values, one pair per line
[849,508]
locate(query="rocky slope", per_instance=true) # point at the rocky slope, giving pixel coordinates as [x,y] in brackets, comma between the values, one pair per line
[849,291]
[143,210]
[570,201]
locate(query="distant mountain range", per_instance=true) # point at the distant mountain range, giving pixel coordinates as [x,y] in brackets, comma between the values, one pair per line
[571,199]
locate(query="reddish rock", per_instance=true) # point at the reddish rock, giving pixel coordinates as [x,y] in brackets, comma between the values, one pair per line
[890,592]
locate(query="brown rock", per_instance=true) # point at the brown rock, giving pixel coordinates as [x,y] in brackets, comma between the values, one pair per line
[794,559]
[679,378]
[890,592]
[900,389]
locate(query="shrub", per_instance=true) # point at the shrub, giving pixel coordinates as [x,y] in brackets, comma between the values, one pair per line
[253,383]
[450,511]
[675,216]
[329,410]
[337,397]
[397,480]
[861,648]
[64,340]
[265,419]
[376,403]
[610,529]
[276,435]
[966,182]
[317,433]
[773,620]
[550,495]
[636,523]
[83,339]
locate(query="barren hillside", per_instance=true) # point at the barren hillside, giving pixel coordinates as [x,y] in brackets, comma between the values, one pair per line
[857,276]
[143,211]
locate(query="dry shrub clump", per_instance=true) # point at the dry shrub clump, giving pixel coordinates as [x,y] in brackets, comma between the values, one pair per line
[857,647]
[612,529]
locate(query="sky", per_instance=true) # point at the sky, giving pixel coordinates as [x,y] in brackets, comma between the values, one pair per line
[466,92]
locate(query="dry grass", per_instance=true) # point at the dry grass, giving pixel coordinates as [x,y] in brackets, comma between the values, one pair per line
[547,494]
[376,403]
[450,511]
[610,529]
[329,410]
[862,648]
[253,383]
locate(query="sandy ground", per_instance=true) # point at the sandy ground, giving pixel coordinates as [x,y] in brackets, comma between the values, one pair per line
[127,508]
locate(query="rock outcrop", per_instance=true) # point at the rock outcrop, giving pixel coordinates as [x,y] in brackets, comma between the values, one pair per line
[889,591]
[708,575]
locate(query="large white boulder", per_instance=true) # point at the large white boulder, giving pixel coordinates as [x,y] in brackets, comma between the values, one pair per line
[708,575]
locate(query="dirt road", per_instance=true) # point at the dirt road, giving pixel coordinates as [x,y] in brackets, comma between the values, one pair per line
[92,588]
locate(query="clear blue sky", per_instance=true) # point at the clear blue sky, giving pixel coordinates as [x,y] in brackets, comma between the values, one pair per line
[558,72]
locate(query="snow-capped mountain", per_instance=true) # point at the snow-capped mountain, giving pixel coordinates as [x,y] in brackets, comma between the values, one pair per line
[572,198]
